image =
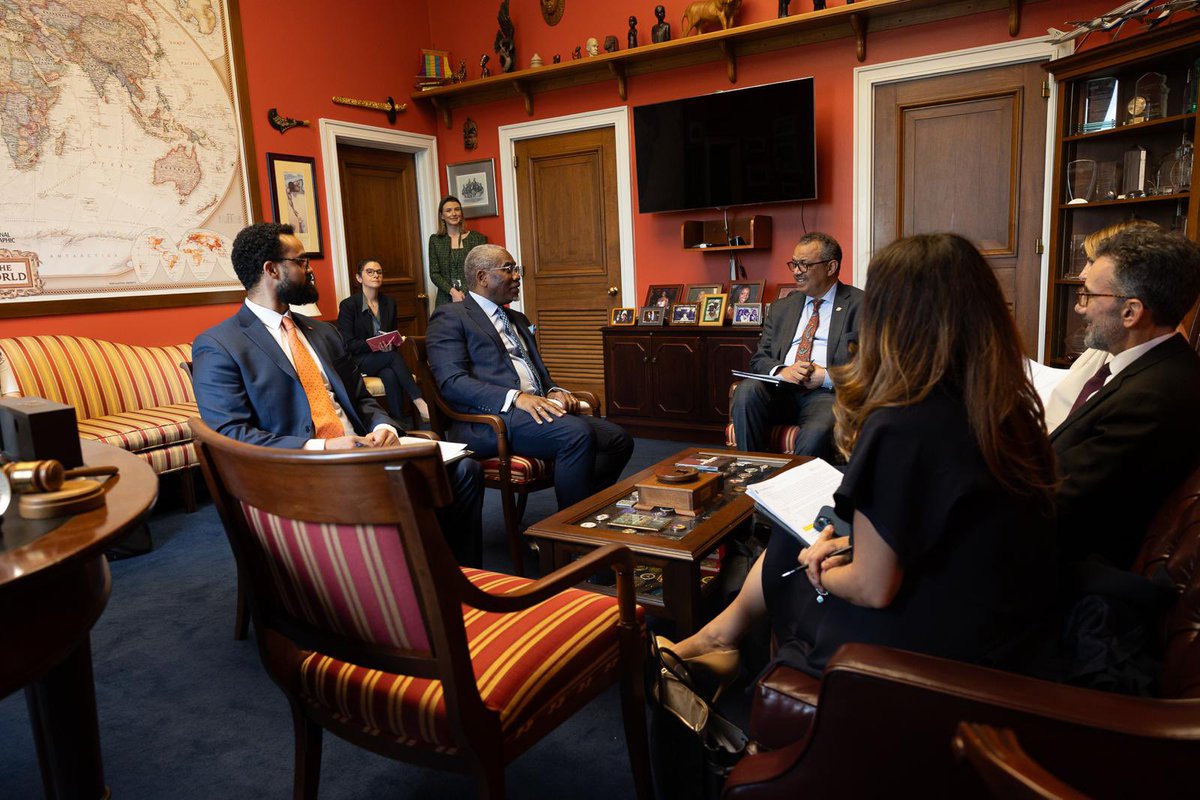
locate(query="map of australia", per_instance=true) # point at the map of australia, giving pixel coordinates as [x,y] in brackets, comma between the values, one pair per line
[119,147]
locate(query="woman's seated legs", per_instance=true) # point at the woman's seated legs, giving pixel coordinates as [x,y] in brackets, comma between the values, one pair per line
[397,381]
[727,628]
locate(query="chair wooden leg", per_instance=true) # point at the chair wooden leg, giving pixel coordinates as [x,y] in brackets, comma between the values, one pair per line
[187,486]
[308,755]
[522,499]
[633,714]
[512,528]
[241,621]
[489,777]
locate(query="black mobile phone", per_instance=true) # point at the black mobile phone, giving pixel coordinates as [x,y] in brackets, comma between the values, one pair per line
[827,516]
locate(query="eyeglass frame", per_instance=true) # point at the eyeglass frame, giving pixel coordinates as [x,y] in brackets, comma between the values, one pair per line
[375,273]
[804,266]
[1082,297]
[302,262]
[513,270]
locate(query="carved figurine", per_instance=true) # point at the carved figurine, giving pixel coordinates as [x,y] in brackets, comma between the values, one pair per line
[557,58]
[575,56]
[593,46]
[504,45]
[610,44]
[783,8]
[661,32]
[483,62]
[535,61]
[470,134]
[460,74]
[632,36]
[552,10]
[709,12]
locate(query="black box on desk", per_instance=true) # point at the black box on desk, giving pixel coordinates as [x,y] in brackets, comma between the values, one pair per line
[33,428]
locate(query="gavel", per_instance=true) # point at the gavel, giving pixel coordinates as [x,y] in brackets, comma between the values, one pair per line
[27,477]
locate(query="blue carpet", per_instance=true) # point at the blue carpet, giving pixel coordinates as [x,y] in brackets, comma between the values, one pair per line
[186,711]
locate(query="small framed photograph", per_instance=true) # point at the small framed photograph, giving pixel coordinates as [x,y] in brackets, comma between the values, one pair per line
[685,314]
[623,316]
[785,289]
[747,313]
[474,183]
[712,309]
[697,290]
[651,315]
[294,198]
[745,292]
[664,295]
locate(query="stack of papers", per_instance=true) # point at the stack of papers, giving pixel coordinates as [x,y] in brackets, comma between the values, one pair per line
[451,451]
[755,376]
[794,498]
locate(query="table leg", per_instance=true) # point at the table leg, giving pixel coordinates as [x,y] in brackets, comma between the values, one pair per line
[66,728]
[681,595]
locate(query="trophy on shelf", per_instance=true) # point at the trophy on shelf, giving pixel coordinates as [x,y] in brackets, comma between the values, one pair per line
[1081,181]
[1099,105]
[1108,180]
[1150,96]
[1134,176]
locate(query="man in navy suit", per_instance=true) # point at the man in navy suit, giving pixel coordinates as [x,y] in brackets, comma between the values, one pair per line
[248,383]
[804,395]
[485,360]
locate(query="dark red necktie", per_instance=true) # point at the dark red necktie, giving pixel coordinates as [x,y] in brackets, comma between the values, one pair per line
[1092,386]
[810,331]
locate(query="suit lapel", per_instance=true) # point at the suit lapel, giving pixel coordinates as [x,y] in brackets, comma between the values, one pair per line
[787,326]
[256,332]
[837,321]
[483,323]
[387,313]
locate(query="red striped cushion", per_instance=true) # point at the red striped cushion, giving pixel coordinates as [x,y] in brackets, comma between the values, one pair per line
[350,579]
[170,458]
[526,666]
[780,438]
[524,470]
[142,430]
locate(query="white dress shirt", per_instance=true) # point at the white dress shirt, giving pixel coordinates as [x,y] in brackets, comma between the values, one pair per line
[820,345]
[523,370]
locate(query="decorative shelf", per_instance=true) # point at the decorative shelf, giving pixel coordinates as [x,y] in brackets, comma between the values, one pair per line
[1129,201]
[1138,128]
[760,37]
[754,231]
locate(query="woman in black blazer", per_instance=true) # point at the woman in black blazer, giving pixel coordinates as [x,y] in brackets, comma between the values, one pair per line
[369,313]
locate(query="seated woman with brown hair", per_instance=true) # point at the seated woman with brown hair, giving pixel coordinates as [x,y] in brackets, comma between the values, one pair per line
[948,485]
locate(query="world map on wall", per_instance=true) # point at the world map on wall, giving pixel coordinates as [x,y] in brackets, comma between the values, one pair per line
[120,153]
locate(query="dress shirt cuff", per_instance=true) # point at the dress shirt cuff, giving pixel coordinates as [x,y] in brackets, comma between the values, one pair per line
[385,427]
[775,369]
[314,444]
[828,382]
[508,401]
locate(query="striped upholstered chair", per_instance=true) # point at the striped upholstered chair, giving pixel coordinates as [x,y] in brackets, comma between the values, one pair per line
[515,476]
[372,632]
[780,438]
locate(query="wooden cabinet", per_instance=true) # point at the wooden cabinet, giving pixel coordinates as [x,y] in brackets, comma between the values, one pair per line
[673,383]
[1093,157]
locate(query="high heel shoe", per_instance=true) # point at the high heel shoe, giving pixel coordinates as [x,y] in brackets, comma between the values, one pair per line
[717,668]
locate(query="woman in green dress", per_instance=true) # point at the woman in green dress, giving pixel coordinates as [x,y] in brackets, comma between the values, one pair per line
[448,249]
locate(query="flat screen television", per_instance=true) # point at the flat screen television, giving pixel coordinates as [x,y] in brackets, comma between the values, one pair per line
[732,148]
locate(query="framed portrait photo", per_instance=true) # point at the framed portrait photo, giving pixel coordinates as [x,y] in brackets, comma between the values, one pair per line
[623,316]
[697,290]
[685,314]
[474,184]
[744,292]
[651,315]
[664,295]
[712,309]
[747,313]
[294,198]
[784,289]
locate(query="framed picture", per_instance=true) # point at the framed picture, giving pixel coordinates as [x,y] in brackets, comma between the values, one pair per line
[651,315]
[785,289]
[623,316]
[712,309]
[474,184]
[294,197]
[747,313]
[743,292]
[685,313]
[697,290]
[664,295]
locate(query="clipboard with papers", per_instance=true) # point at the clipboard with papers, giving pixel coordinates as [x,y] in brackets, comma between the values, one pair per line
[755,376]
[795,497]
[451,451]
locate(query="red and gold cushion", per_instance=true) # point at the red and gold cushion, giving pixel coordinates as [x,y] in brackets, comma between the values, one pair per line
[780,438]
[144,429]
[528,666]
[524,470]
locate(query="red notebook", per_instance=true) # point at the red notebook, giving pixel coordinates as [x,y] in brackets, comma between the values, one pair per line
[384,339]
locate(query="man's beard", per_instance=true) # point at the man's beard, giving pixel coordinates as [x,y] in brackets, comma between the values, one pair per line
[1102,332]
[297,294]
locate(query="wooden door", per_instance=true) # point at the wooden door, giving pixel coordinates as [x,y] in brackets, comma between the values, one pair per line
[966,153]
[382,221]
[570,248]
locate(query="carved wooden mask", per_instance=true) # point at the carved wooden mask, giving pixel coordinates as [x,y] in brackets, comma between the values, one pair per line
[552,10]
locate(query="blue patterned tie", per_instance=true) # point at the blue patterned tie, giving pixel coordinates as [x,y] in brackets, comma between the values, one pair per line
[519,351]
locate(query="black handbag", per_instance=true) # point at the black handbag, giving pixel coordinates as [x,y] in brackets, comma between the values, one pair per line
[692,746]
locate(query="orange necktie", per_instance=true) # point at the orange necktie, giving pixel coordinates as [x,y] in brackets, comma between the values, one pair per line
[324,416]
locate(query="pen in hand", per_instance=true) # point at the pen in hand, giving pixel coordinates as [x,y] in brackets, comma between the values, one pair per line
[843,551]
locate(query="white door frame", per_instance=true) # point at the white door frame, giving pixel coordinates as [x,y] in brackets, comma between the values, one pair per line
[865,81]
[616,118]
[424,150]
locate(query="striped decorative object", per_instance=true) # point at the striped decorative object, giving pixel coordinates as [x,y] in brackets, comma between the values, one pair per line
[527,665]
[780,439]
[524,469]
[136,398]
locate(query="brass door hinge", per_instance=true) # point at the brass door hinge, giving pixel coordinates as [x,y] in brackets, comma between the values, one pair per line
[1039,246]
[514,162]
[1046,90]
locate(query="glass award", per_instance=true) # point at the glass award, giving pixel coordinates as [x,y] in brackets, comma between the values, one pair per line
[1081,181]
[1078,258]
[1152,87]
[1099,105]
[1183,167]
[1193,85]
[1108,180]
[1133,176]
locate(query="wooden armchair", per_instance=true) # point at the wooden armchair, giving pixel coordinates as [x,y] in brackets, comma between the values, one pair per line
[1004,766]
[373,633]
[515,476]
[780,438]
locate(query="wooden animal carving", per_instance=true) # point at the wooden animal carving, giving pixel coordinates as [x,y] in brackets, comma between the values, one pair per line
[709,12]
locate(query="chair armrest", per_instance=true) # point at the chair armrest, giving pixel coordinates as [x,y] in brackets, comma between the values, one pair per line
[590,404]
[430,435]
[732,387]
[1004,766]
[785,702]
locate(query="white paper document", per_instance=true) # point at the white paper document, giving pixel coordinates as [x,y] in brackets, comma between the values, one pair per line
[451,451]
[1044,378]
[754,376]
[793,498]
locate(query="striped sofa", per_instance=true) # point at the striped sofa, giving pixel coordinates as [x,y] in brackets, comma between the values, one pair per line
[136,398]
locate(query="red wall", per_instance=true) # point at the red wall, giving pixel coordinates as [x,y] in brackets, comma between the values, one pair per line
[299,57]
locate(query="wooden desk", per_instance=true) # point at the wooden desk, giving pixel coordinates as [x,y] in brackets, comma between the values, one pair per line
[54,584]
[561,538]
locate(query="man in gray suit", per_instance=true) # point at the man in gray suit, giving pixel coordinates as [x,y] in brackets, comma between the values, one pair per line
[806,332]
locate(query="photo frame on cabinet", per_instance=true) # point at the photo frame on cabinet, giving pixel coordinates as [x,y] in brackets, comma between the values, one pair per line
[623,316]
[747,313]
[784,289]
[294,198]
[741,292]
[685,314]
[664,295]
[712,309]
[651,315]
[697,290]
[474,184]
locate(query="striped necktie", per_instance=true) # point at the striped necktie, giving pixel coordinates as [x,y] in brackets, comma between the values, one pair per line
[324,416]
[804,351]
[520,351]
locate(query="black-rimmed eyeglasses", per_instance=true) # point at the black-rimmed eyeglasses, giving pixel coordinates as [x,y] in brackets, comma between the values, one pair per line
[1082,297]
[300,262]
[805,266]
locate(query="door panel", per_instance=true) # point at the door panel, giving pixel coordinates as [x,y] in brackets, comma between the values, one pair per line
[570,248]
[381,218]
[723,356]
[675,367]
[965,153]
[628,358]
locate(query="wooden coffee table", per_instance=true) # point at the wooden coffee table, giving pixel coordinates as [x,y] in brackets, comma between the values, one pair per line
[574,531]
